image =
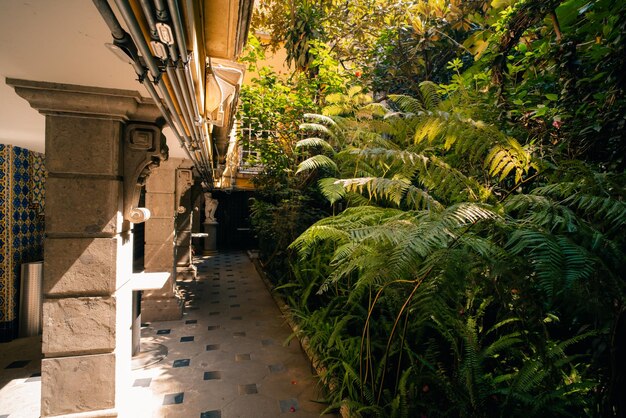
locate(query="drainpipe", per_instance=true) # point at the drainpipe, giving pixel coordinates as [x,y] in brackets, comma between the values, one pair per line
[147,11]
[178,29]
[161,10]
[182,47]
[190,136]
[123,41]
[137,35]
[184,77]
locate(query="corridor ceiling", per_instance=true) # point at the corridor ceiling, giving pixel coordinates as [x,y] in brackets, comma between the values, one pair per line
[63,41]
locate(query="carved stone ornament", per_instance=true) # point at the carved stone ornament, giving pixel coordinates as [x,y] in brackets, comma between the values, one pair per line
[144,149]
[184,181]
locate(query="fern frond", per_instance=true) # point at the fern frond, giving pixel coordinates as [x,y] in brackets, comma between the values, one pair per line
[315,143]
[377,187]
[316,162]
[320,118]
[502,343]
[372,110]
[331,190]
[430,95]
[316,234]
[406,104]
[557,262]
[316,127]
[467,213]
[336,109]
[504,158]
[418,199]
[334,98]
[354,90]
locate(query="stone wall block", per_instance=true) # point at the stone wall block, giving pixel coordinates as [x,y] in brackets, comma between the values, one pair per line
[82,205]
[183,238]
[161,309]
[162,179]
[77,384]
[161,205]
[80,266]
[183,256]
[160,230]
[96,152]
[79,325]
[159,257]
[183,220]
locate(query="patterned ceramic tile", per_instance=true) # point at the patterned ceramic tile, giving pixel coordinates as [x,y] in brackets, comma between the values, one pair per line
[22,181]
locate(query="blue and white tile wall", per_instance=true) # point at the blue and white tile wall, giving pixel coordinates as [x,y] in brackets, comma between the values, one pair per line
[22,181]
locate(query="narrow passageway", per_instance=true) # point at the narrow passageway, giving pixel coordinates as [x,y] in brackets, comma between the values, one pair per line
[226,358]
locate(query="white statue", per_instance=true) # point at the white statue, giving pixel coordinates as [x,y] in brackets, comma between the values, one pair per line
[210,206]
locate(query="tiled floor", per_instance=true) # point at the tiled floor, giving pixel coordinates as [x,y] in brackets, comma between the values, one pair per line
[226,358]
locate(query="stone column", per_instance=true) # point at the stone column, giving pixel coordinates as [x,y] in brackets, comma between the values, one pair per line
[88,245]
[164,304]
[184,260]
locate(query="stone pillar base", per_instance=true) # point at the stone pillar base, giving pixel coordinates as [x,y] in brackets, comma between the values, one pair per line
[162,309]
[186,273]
[210,242]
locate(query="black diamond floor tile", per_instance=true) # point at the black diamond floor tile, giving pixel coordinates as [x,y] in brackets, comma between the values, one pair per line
[212,375]
[277,368]
[174,398]
[248,389]
[289,405]
[144,383]
[211,414]
[181,362]
[186,339]
[163,331]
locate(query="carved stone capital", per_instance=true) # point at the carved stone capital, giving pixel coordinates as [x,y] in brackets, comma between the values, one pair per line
[144,149]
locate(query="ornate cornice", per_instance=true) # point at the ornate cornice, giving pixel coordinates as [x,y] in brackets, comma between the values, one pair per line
[84,101]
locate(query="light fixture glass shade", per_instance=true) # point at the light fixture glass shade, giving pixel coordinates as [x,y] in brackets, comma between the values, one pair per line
[213,93]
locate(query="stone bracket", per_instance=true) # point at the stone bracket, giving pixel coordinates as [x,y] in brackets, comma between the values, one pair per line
[144,149]
[184,181]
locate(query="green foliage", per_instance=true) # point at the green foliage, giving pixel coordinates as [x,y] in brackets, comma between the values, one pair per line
[473,262]
[468,257]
